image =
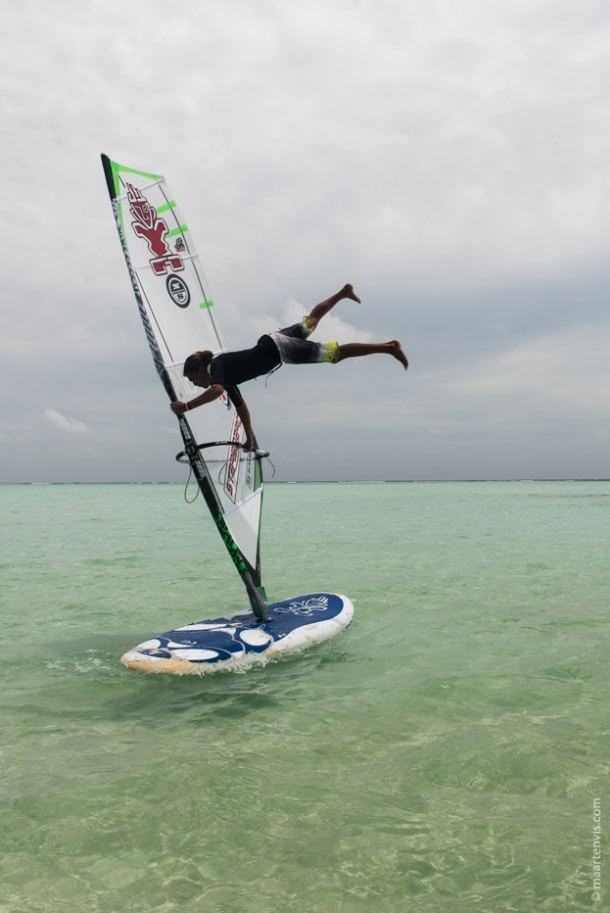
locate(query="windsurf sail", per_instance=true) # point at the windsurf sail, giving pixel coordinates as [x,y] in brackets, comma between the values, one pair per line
[179,317]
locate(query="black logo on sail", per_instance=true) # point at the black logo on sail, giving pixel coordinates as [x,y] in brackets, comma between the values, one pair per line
[178,291]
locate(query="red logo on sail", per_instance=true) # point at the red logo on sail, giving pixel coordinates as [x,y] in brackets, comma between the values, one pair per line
[147,224]
[233,454]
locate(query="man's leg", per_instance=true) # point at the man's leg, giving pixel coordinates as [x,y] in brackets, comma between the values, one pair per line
[320,310]
[358,349]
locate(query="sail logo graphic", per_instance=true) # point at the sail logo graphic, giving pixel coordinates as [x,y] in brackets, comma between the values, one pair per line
[147,224]
[178,291]
[232,470]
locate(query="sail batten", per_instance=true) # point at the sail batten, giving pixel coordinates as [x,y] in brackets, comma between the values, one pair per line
[243,503]
[178,318]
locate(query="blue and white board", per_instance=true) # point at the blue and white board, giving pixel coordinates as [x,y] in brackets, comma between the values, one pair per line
[238,641]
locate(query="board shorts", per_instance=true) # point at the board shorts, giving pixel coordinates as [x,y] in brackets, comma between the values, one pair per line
[296,348]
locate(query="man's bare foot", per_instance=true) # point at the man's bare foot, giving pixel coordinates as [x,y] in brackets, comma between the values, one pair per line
[348,292]
[396,351]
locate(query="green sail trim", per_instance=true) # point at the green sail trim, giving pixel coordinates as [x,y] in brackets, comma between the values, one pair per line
[180,230]
[117,170]
[123,169]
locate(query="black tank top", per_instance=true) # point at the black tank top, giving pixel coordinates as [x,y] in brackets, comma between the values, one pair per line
[232,368]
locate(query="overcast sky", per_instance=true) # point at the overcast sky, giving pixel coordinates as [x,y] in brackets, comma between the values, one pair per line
[448,157]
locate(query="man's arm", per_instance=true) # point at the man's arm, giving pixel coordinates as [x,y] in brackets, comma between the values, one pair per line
[209,396]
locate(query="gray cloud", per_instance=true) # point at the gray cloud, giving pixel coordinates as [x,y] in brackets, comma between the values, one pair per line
[64,422]
[449,158]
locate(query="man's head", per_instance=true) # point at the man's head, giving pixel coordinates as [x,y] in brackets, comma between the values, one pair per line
[196,368]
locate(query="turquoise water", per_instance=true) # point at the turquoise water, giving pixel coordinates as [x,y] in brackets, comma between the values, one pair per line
[448,752]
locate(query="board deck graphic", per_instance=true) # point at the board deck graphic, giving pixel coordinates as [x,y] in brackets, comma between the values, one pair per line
[240,640]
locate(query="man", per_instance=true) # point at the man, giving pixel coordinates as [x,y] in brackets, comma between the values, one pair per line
[291,346]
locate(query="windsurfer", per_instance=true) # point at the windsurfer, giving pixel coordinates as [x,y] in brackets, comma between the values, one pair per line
[222,373]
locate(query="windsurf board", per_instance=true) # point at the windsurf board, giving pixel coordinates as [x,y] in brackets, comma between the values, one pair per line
[239,640]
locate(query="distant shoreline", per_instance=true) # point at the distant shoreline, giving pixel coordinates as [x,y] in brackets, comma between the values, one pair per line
[336,482]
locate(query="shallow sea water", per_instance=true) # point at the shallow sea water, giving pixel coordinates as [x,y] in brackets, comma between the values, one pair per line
[448,752]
